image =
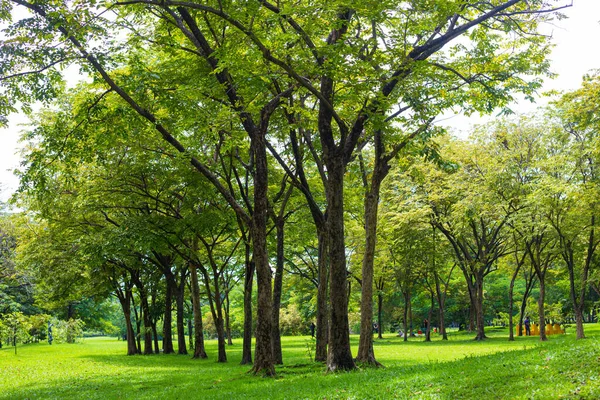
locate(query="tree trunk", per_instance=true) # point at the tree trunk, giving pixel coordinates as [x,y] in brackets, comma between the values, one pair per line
[472,317]
[441,297]
[138,324]
[322,329]
[247,338]
[277,288]
[365,344]
[190,328]
[511,336]
[406,308]
[429,315]
[380,313]
[263,354]
[179,300]
[155,337]
[541,308]
[145,311]
[339,355]
[219,321]
[125,297]
[479,309]
[579,322]
[168,320]
[227,321]
[199,350]
[132,349]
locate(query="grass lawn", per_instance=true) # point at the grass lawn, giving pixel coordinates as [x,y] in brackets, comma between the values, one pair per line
[98,368]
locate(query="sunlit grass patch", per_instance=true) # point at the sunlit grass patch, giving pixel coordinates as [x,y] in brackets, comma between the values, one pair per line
[459,368]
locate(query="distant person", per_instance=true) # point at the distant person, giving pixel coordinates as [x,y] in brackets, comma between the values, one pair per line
[50,338]
[312,329]
[375,327]
[527,326]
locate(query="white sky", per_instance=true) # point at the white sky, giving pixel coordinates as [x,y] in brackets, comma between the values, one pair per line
[575,54]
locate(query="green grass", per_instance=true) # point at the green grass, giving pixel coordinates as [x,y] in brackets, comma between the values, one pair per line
[459,368]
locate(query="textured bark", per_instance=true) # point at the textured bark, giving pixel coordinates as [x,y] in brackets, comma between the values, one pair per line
[441,299]
[199,350]
[406,296]
[144,311]
[541,311]
[511,336]
[138,324]
[365,345]
[339,355]
[131,345]
[219,321]
[155,337]
[277,287]
[380,313]
[322,329]
[190,328]
[247,338]
[216,307]
[227,321]
[145,314]
[168,320]
[263,355]
[125,299]
[429,315]
[478,305]
[179,300]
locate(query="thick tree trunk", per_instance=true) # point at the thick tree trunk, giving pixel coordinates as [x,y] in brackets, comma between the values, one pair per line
[365,344]
[277,288]
[322,329]
[579,322]
[131,344]
[199,350]
[339,355]
[263,356]
[168,320]
[247,334]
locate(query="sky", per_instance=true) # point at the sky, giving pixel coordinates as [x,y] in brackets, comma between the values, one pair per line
[576,53]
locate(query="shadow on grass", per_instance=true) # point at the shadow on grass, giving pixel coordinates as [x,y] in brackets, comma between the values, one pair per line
[561,367]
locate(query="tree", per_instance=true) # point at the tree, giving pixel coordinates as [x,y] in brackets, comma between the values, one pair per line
[371,70]
[571,188]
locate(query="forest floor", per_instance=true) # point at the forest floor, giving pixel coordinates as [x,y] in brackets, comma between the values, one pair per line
[97,368]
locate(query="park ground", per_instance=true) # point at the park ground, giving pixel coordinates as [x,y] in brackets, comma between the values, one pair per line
[97,368]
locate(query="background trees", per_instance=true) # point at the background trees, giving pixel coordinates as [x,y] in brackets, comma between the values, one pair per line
[202,124]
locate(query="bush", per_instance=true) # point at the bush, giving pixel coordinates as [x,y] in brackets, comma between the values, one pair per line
[290,321]
[67,331]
